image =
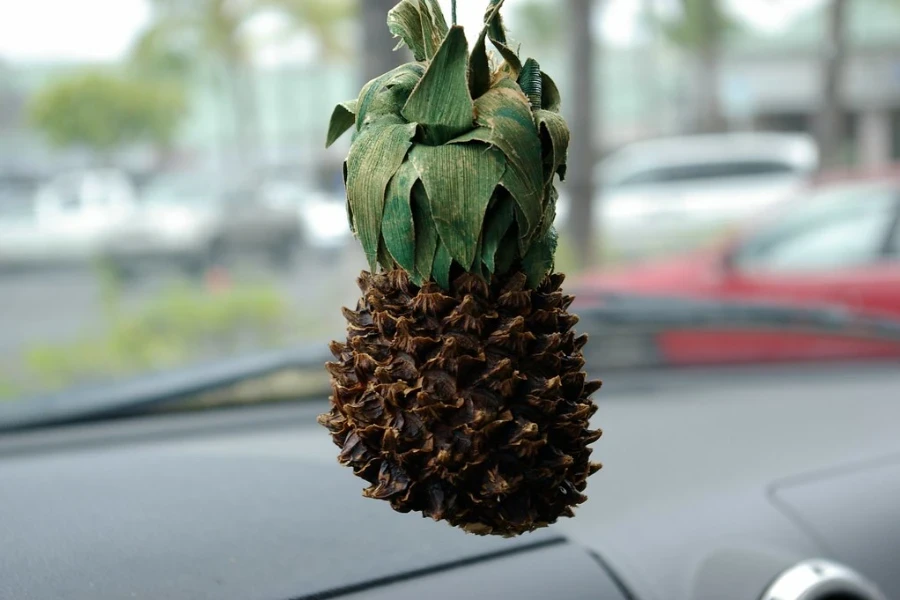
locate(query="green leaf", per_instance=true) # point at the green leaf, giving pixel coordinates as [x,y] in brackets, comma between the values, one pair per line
[499,219]
[385,95]
[442,263]
[549,216]
[494,21]
[433,22]
[508,251]
[479,134]
[459,180]
[479,68]
[405,21]
[538,262]
[420,24]
[525,240]
[347,200]
[426,234]
[441,100]
[398,225]
[505,111]
[550,97]
[555,142]
[497,34]
[478,267]
[518,182]
[512,63]
[374,158]
[384,257]
[342,119]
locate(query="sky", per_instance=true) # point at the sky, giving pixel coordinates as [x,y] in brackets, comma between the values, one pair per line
[102,30]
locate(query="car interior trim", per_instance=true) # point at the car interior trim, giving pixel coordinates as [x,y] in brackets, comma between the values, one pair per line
[389,580]
[819,579]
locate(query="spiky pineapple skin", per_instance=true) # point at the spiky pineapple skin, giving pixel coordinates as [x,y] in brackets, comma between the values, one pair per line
[468,405]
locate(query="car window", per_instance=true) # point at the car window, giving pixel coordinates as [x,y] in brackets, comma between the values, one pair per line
[831,231]
[185,191]
[691,172]
[894,243]
[69,199]
[15,203]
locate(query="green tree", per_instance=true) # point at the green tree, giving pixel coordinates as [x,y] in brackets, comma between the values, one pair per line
[322,19]
[190,39]
[105,112]
[698,27]
[540,22]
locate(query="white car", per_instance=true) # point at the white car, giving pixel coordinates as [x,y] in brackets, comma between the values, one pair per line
[672,193]
[322,217]
[66,220]
[195,220]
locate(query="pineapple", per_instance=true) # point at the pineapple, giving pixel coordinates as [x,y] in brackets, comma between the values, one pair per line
[459,392]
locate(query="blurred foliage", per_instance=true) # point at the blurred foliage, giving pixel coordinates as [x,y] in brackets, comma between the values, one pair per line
[8,390]
[322,18]
[541,23]
[208,38]
[697,24]
[106,112]
[181,324]
[184,38]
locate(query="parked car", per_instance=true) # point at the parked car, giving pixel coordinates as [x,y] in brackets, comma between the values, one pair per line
[322,216]
[66,220]
[668,193]
[198,220]
[835,250]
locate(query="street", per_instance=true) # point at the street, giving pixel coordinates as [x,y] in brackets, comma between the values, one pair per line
[61,305]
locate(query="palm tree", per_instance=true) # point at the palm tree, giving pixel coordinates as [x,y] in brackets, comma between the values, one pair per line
[699,28]
[582,151]
[321,18]
[540,22]
[191,38]
[830,126]
[203,38]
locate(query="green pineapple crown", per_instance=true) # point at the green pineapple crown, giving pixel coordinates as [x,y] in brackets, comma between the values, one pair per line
[452,162]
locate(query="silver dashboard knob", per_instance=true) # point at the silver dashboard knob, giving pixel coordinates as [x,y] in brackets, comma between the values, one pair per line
[819,579]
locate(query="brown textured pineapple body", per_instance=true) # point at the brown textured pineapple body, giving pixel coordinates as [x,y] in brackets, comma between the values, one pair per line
[469,405]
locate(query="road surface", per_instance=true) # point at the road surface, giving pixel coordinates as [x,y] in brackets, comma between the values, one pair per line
[61,305]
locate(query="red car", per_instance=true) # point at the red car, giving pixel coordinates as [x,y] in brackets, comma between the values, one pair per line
[819,277]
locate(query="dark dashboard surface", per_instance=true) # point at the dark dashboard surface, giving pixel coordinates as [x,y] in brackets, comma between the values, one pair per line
[258,513]
[250,503]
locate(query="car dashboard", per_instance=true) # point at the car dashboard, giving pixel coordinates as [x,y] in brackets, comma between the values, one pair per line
[249,503]
[241,506]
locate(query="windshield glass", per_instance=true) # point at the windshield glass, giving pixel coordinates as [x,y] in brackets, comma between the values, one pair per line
[829,230]
[15,203]
[167,199]
[180,190]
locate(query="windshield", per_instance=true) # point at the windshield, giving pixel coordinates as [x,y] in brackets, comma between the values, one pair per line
[274,286]
[15,203]
[215,116]
[832,229]
[185,190]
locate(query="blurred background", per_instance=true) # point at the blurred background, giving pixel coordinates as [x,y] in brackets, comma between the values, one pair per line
[166,198]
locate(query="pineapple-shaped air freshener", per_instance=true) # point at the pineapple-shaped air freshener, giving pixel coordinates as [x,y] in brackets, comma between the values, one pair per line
[459,392]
